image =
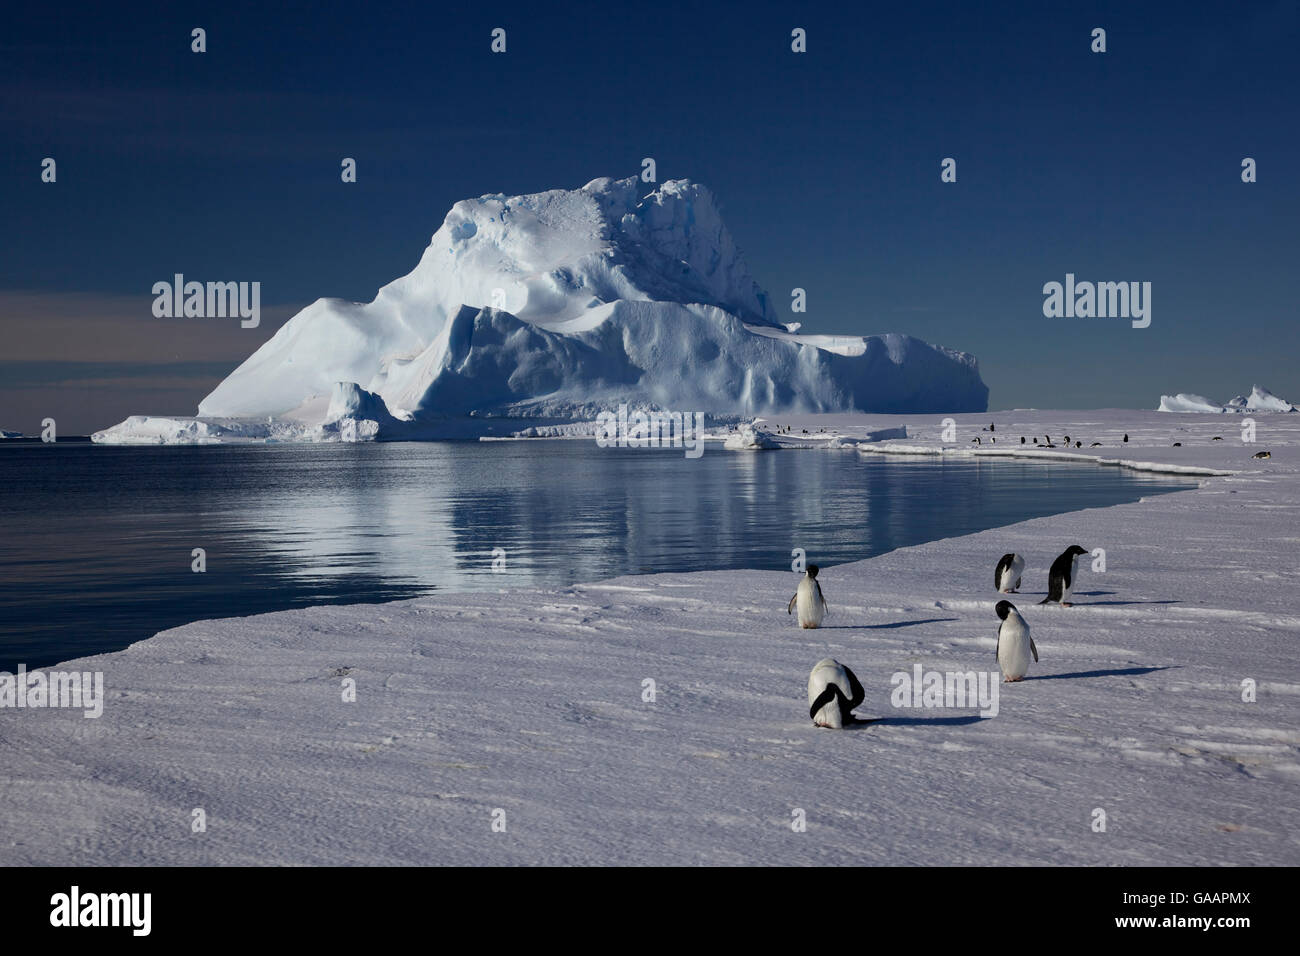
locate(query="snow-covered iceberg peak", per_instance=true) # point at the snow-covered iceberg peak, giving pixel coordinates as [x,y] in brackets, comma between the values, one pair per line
[549,257]
[1262,400]
[565,301]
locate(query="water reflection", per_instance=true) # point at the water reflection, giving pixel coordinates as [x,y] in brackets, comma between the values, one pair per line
[96,542]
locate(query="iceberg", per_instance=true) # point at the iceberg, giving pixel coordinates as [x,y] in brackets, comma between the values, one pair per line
[564,303]
[750,436]
[1187,402]
[1259,400]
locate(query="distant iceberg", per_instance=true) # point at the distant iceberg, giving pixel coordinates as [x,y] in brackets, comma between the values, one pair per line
[1187,402]
[1260,400]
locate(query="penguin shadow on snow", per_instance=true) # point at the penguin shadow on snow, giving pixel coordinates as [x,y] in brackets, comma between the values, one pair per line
[860,722]
[884,627]
[1113,672]
[1089,594]
[1126,603]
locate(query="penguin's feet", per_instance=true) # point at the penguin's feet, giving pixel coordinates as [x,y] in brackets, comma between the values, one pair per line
[1066,604]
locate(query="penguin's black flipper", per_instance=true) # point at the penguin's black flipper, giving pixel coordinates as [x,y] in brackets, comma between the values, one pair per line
[790,607]
[855,688]
[1034,649]
[821,597]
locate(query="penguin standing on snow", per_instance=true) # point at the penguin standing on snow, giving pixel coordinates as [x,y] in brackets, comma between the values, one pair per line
[1006,576]
[808,597]
[1014,644]
[1063,574]
[833,691]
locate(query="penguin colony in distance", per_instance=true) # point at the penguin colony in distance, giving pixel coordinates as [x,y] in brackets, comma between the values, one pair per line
[808,598]
[833,692]
[1062,575]
[1014,643]
[1006,576]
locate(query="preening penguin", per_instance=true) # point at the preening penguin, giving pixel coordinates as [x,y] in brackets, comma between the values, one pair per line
[1063,574]
[833,691]
[808,598]
[1014,643]
[1006,576]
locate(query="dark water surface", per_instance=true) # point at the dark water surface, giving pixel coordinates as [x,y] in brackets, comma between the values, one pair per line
[96,541]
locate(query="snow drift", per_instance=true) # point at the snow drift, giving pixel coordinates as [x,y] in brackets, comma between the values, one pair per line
[563,303]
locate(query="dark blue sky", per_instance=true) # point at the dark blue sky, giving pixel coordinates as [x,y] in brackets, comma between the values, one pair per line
[225,165]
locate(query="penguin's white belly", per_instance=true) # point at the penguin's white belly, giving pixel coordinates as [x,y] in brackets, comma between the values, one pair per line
[809,604]
[1013,650]
[826,673]
[1066,589]
[1011,576]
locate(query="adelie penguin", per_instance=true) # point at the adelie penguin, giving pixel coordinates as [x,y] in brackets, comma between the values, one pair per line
[833,692]
[1014,644]
[808,598]
[1006,576]
[1064,572]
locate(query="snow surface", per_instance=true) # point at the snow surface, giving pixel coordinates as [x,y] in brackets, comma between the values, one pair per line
[1260,400]
[531,701]
[568,302]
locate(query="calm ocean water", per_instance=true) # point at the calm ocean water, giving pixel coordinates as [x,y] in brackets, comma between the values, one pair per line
[96,542]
